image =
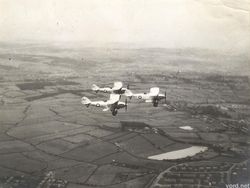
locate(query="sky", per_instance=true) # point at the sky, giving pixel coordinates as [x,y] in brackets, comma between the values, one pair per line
[212,24]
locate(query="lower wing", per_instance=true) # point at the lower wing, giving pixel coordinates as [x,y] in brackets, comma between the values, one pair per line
[149,100]
[105,109]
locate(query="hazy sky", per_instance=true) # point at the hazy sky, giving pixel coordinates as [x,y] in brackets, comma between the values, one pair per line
[215,24]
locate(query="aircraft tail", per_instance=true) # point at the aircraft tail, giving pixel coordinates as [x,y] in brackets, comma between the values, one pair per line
[128,93]
[85,101]
[95,87]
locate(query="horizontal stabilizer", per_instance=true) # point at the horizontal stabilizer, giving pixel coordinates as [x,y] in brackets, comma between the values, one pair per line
[85,101]
[95,87]
[128,93]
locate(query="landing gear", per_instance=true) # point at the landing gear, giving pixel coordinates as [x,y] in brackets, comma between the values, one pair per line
[155,103]
[114,112]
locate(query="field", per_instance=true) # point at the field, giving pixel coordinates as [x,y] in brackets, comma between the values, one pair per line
[48,139]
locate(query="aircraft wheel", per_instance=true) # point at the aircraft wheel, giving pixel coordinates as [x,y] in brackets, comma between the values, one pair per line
[155,104]
[114,112]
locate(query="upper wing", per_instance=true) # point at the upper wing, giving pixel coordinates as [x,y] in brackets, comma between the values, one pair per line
[154,91]
[117,85]
[113,98]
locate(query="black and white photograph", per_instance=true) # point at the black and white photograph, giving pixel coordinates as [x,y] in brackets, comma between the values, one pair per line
[124,93]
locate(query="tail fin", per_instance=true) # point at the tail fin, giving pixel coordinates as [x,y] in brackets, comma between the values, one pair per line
[85,101]
[128,93]
[95,87]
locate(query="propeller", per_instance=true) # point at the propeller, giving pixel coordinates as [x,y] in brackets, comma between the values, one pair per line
[165,95]
[128,86]
[126,105]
